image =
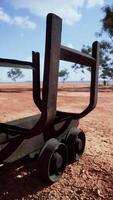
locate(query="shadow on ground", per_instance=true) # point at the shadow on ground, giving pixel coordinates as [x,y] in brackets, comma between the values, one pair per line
[20,179]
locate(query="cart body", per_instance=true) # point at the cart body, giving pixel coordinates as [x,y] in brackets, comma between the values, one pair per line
[27,136]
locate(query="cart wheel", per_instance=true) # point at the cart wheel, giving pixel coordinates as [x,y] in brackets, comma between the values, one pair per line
[75,142]
[52,160]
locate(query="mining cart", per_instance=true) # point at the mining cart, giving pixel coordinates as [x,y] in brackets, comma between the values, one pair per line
[53,135]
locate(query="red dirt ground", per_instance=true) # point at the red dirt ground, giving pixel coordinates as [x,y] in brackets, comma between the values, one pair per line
[89,179]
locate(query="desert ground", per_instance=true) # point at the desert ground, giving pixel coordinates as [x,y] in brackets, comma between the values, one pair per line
[91,178]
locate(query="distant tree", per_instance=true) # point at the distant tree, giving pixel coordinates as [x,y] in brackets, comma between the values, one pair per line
[14,74]
[63,74]
[106,61]
[82,79]
[87,50]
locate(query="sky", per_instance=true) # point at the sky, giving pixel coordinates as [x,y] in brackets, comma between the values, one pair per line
[23,25]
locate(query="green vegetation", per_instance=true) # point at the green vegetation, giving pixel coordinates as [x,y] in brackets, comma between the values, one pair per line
[63,74]
[106,47]
[107,21]
[14,74]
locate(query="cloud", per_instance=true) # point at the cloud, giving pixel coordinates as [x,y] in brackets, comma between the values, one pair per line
[23,22]
[4,17]
[92,3]
[70,11]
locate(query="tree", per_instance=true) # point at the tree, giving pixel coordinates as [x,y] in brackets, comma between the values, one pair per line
[14,74]
[86,50]
[63,74]
[106,51]
[106,62]
[107,26]
[107,21]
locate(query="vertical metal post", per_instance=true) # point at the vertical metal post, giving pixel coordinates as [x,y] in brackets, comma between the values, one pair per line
[51,66]
[36,79]
[94,75]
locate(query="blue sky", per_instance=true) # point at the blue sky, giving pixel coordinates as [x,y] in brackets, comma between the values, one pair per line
[22,27]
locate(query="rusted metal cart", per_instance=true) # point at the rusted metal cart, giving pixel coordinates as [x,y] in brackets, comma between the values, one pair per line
[53,135]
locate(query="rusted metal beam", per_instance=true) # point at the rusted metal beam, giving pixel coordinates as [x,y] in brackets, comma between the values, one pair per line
[15,63]
[71,55]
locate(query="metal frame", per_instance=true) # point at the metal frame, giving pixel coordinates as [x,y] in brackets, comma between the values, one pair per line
[71,55]
[50,117]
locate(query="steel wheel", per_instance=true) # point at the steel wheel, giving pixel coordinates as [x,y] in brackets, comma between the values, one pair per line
[52,160]
[75,142]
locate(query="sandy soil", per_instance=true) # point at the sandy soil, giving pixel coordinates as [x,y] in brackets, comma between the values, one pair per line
[91,177]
